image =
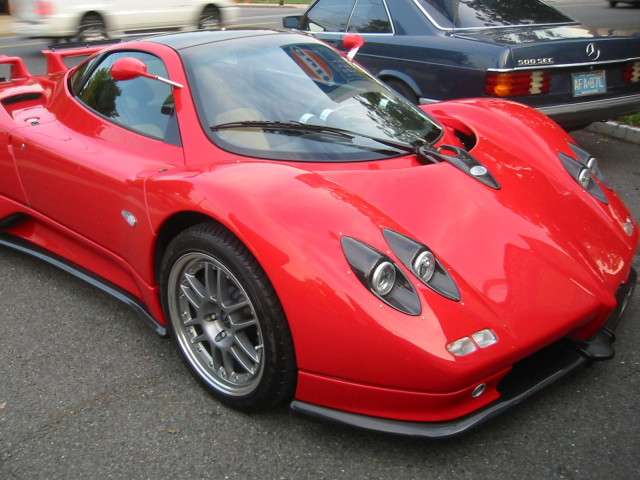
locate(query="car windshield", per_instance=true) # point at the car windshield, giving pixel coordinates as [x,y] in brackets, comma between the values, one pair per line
[287,97]
[450,14]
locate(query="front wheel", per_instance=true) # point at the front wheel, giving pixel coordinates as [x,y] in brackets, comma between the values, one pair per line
[226,319]
[613,4]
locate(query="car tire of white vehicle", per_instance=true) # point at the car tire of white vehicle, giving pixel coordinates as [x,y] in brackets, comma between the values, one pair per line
[210,18]
[92,28]
[226,319]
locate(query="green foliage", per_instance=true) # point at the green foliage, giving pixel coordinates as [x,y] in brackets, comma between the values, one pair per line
[633,120]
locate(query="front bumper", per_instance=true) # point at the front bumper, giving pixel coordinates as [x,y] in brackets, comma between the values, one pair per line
[526,378]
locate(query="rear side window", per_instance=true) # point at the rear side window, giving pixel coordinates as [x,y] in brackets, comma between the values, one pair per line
[360,16]
[370,16]
[329,16]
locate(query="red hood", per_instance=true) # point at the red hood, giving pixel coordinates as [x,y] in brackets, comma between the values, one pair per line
[538,251]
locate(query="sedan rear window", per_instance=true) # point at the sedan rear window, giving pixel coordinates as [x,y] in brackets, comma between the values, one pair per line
[450,14]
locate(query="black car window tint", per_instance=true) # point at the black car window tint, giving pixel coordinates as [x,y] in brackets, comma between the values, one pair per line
[83,71]
[139,104]
[370,16]
[329,16]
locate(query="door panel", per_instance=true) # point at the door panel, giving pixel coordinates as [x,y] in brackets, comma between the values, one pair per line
[85,181]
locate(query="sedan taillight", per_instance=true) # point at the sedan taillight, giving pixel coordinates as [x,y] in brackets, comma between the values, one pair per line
[43,8]
[631,72]
[518,83]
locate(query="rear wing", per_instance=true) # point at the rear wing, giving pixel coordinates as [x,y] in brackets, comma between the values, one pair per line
[55,61]
[55,57]
[18,68]
[22,90]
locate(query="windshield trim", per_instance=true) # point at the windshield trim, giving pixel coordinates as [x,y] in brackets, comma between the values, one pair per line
[572,21]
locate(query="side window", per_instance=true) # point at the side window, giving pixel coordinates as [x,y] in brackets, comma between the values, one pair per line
[329,16]
[370,16]
[142,104]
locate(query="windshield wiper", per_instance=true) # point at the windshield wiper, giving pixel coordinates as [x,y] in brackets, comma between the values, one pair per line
[306,127]
[425,152]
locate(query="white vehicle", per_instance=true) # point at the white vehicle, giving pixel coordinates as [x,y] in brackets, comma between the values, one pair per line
[92,21]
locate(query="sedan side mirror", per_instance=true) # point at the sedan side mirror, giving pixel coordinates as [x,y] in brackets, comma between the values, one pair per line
[291,21]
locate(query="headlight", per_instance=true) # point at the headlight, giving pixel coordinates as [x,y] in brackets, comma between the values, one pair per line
[590,162]
[584,178]
[381,276]
[423,264]
[583,175]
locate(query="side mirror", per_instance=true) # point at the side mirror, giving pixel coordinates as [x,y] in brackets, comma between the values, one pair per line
[352,43]
[291,21]
[129,68]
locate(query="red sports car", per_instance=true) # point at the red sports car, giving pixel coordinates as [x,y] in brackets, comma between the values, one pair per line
[308,236]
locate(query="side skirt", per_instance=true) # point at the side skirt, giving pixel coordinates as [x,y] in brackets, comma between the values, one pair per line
[25,246]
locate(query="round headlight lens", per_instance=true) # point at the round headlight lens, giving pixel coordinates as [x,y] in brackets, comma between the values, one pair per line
[592,165]
[383,278]
[584,178]
[424,264]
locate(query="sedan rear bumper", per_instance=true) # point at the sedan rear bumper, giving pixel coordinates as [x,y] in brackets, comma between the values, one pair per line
[526,378]
[577,115]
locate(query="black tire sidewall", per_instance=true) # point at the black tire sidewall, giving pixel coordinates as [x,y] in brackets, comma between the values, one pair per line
[212,11]
[87,19]
[403,89]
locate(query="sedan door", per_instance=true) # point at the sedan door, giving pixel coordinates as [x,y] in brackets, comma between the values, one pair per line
[149,14]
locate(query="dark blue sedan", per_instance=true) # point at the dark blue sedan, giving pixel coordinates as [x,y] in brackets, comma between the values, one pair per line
[523,50]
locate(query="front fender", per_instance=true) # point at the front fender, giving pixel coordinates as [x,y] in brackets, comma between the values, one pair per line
[292,221]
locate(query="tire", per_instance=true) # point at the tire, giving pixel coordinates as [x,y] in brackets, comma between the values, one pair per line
[210,18]
[403,89]
[613,4]
[226,319]
[92,29]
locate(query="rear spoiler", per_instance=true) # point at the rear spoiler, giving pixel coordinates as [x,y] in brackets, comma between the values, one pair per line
[18,68]
[55,61]
[55,56]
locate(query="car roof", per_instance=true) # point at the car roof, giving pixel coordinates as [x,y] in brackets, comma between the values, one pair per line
[181,41]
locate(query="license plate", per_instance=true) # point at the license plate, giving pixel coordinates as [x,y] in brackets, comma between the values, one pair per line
[590,83]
